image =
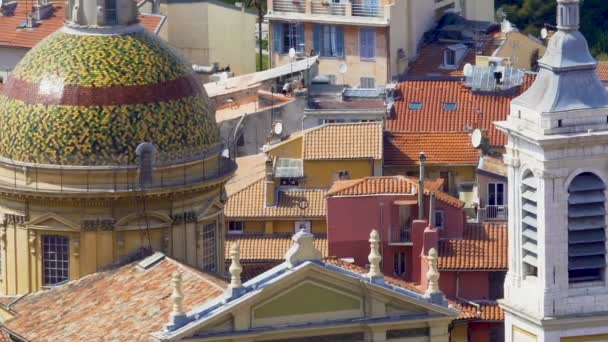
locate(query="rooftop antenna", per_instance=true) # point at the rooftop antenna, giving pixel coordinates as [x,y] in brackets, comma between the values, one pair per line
[342,69]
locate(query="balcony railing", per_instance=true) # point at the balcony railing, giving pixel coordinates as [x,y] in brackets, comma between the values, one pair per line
[322,7]
[493,213]
[400,235]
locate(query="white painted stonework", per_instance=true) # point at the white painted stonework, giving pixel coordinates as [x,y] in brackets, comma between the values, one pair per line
[556,132]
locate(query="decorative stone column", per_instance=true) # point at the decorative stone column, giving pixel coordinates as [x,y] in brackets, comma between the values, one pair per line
[375,272]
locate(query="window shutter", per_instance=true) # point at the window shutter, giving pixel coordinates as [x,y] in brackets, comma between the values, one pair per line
[363,43]
[340,41]
[277,37]
[300,37]
[371,43]
[317,34]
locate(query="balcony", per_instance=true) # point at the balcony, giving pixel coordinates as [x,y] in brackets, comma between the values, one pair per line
[323,11]
[493,213]
[400,235]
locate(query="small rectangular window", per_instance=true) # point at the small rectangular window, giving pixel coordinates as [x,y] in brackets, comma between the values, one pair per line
[450,57]
[236,227]
[399,264]
[303,225]
[559,123]
[209,248]
[450,106]
[367,43]
[368,83]
[55,259]
[328,40]
[439,222]
[415,105]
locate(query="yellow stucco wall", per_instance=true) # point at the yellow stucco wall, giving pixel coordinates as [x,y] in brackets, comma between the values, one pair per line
[521,50]
[357,68]
[322,173]
[206,33]
[288,149]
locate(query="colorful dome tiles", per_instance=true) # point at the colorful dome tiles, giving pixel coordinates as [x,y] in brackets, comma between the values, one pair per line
[92,99]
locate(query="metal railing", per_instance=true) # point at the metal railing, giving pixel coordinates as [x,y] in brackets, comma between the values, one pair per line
[493,213]
[294,6]
[323,7]
[363,10]
[400,234]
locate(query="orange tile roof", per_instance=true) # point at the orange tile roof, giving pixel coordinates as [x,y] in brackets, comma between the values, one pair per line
[260,247]
[488,311]
[390,185]
[254,269]
[441,148]
[430,58]
[483,247]
[10,36]
[250,203]
[476,110]
[602,70]
[343,141]
[123,303]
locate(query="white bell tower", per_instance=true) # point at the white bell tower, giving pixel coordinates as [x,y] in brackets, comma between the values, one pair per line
[557,157]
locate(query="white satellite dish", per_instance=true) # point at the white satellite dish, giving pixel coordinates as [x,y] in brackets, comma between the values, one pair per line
[476,138]
[468,70]
[278,128]
[544,33]
[343,68]
[292,53]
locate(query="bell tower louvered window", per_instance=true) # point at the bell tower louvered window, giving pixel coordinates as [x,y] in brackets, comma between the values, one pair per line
[529,225]
[586,228]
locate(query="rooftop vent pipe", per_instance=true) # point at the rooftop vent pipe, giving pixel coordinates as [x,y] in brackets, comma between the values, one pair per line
[422,158]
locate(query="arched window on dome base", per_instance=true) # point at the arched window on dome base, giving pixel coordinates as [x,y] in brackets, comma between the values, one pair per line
[146,153]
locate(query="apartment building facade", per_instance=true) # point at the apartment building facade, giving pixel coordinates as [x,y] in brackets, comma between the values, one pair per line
[374,39]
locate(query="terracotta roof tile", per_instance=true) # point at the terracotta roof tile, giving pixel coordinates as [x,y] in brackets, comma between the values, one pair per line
[472,109]
[26,38]
[123,303]
[343,141]
[488,311]
[602,70]
[483,247]
[441,148]
[250,203]
[260,247]
[390,185]
[430,59]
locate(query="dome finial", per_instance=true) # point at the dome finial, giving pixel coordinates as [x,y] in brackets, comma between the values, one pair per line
[568,15]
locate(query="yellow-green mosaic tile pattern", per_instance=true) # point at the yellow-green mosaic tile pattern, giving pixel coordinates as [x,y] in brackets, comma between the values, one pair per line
[132,59]
[108,135]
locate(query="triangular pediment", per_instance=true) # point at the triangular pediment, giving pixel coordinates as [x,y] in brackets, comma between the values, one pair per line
[52,221]
[140,221]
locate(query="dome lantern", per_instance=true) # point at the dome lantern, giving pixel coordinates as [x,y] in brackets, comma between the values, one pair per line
[100,13]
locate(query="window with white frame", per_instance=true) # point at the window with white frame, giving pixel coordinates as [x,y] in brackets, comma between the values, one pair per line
[439,219]
[368,83]
[328,40]
[236,227]
[399,264]
[287,36]
[496,194]
[209,248]
[303,225]
[367,43]
[55,259]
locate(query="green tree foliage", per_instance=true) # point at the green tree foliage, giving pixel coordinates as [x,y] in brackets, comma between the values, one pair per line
[531,15]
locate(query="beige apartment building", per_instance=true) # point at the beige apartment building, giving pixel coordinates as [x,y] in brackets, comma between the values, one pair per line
[373,38]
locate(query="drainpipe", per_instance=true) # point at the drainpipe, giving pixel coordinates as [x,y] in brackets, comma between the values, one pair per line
[432,210]
[422,158]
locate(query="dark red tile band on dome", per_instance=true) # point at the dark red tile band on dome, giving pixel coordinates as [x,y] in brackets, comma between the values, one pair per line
[50,93]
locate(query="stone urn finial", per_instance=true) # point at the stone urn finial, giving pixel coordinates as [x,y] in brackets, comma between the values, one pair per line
[432,275]
[374,255]
[303,249]
[235,268]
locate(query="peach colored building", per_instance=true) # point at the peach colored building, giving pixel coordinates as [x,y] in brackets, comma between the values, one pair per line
[374,38]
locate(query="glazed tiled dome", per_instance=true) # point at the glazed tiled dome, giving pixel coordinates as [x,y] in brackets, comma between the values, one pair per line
[91,99]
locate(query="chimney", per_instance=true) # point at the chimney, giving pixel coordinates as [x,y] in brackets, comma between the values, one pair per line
[422,157]
[432,210]
[269,183]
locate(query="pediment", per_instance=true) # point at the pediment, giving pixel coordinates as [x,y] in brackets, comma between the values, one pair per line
[52,221]
[210,209]
[307,302]
[150,220]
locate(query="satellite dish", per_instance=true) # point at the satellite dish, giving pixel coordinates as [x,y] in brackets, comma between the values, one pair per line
[476,138]
[468,70]
[278,128]
[543,33]
[292,53]
[343,68]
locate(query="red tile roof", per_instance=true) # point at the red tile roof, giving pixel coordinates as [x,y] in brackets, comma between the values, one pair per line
[483,247]
[472,109]
[487,311]
[602,70]
[430,58]
[261,247]
[26,38]
[120,304]
[440,148]
[390,185]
